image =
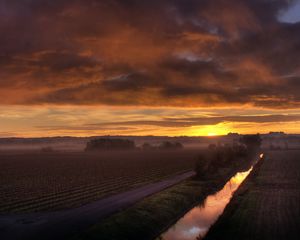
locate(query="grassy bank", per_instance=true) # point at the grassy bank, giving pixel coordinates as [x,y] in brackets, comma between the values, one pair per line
[267,205]
[148,218]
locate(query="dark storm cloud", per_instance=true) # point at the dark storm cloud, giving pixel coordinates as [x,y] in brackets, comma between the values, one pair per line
[58,62]
[160,52]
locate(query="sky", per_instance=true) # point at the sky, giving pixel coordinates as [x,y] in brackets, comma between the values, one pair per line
[139,67]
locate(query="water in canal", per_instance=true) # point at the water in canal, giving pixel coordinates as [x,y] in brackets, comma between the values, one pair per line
[198,220]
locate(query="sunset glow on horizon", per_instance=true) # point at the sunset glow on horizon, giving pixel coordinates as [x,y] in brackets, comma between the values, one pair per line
[44,121]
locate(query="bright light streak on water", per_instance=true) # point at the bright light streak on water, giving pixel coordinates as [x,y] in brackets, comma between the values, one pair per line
[198,220]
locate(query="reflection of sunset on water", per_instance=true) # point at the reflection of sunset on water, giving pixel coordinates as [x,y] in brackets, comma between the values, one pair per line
[197,221]
[239,178]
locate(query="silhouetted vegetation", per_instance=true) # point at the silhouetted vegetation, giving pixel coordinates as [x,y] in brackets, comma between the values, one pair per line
[252,142]
[218,157]
[166,145]
[104,144]
[225,156]
[170,145]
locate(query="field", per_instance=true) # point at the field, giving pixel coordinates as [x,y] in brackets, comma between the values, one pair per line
[32,182]
[267,206]
[153,215]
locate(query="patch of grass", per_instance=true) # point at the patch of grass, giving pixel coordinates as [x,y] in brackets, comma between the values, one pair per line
[145,217]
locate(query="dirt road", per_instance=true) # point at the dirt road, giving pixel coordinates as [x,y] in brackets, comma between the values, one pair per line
[60,225]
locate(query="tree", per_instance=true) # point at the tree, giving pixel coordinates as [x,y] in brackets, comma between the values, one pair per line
[170,145]
[219,157]
[252,142]
[104,144]
[202,166]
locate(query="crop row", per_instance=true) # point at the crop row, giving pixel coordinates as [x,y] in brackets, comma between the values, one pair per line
[60,181]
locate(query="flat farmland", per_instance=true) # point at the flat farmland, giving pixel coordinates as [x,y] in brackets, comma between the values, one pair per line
[267,206]
[33,182]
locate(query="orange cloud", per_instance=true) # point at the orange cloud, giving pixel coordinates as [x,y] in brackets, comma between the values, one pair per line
[146,54]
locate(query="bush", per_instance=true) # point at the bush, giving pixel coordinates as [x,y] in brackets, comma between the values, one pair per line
[252,143]
[105,144]
[170,145]
[218,157]
[202,166]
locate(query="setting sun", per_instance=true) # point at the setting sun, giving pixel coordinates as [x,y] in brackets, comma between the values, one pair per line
[211,130]
[211,134]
